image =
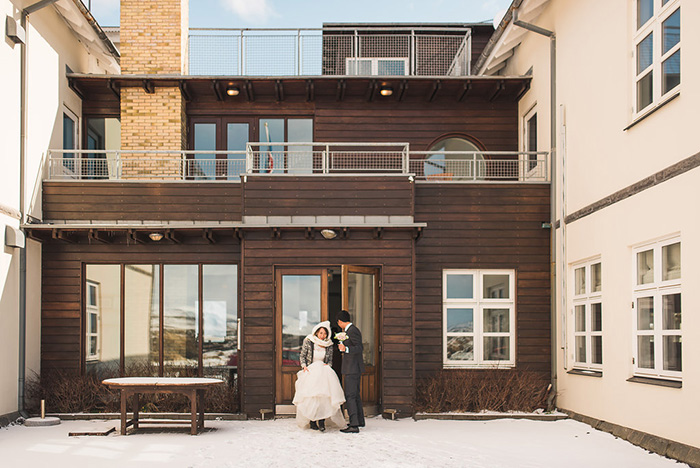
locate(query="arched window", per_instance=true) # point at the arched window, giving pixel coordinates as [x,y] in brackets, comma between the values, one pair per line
[454,158]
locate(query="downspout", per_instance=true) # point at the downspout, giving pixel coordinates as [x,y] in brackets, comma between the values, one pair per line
[553,192]
[22,164]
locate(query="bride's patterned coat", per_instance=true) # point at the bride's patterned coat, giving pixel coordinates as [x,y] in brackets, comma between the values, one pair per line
[306,357]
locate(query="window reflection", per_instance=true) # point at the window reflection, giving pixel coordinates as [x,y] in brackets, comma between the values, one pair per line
[361,308]
[102,317]
[301,310]
[180,318]
[220,310]
[141,319]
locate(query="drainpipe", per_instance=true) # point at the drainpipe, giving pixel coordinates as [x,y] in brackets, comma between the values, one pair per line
[22,163]
[553,190]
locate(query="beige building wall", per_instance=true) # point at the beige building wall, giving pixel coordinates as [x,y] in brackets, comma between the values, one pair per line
[603,147]
[52,46]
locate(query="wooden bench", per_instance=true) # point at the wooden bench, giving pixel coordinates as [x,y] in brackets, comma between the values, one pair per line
[193,387]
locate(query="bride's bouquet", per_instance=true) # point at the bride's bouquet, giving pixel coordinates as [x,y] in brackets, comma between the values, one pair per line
[342,336]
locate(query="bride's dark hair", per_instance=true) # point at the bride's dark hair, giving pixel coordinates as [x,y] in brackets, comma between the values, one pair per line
[322,328]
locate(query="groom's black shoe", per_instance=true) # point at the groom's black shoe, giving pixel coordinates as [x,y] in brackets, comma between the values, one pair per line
[313,425]
[322,425]
[350,430]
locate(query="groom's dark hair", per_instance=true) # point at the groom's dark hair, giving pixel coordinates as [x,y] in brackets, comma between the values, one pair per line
[343,316]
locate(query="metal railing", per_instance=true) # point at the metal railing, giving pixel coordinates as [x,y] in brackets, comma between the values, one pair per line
[288,159]
[371,51]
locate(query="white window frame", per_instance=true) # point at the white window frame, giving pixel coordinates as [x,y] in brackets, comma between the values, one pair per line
[95,310]
[478,303]
[374,64]
[587,299]
[657,289]
[530,168]
[653,25]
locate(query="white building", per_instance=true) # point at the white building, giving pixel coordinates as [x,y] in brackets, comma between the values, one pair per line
[40,111]
[627,179]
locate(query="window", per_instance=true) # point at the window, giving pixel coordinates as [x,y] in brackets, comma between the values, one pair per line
[381,66]
[296,159]
[93,321]
[530,139]
[478,318]
[657,43]
[588,315]
[70,138]
[454,158]
[657,306]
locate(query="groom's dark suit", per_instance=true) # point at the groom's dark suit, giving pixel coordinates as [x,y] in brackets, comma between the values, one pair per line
[353,366]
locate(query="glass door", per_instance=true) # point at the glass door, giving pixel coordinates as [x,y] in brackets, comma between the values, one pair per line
[300,304]
[361,299]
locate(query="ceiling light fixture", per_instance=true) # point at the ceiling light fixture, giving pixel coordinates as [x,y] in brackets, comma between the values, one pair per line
[328,233]
[386,91]
[232,90]
[155,236]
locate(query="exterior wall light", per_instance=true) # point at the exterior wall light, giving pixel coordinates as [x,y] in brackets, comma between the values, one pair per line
[232,90]
[386,91]
[155,236]
[328,233]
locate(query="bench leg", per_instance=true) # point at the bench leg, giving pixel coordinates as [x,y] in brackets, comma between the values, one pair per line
[123,412]
[200,402]
[136,411]
[193,405]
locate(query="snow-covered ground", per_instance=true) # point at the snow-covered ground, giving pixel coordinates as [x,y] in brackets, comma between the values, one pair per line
[279,443]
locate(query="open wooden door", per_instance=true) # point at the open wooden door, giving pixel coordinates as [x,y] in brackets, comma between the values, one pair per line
[361,299]
[300,304]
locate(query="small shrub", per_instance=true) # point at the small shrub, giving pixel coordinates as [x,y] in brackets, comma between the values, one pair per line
[482,390]
[68,392]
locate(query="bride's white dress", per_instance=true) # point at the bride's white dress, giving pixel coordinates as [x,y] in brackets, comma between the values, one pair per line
[318,393]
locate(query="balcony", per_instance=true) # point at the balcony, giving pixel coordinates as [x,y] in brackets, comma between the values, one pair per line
[331,51]
[300,159]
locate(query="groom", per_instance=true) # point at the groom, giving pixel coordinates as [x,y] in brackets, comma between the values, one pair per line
[352,369]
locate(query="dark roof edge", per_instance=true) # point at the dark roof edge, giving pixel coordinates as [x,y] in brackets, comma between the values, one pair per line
[294,77]
[403,25]
[98,29]
[496,36]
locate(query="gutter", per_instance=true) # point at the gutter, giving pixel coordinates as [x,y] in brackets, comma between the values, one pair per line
[496,36]
[98,29]
[22,169]
[553,185]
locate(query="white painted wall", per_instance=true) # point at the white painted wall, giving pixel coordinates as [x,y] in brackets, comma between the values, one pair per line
[595,86]
[51,46]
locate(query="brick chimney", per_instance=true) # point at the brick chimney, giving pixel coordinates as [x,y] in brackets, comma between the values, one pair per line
[153,35]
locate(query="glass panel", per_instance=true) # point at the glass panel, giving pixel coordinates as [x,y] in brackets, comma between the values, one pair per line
[391,67]
[496,348]
[271,157]
[671,261]
[532,141]
[102,134]
[220,308]
[645,53]
[236,139]
[300,159]
[645,10]
[460,286]
[596,278]
[645,313]
[496,320]
[301,311]
[596,350]
[645,351]
[671,31]
[581,349]
[460,348]
[361,307]
[580,280]
[141,319]
[460,320]
[359,67]
[580,319]
[180,319]
[92,295]
[104,318]
[450,166]
[597,317]
[672,353]
[672,312]
[672,72]
[645,267]
[496,286]
[68,140]
[204,140]
[644,91]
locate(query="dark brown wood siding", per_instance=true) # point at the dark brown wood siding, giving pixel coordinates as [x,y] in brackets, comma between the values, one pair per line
[155,201]
[338,196]
[393,253]
[61,301]
[484,227]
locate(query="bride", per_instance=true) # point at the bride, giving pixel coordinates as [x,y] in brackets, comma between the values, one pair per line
[318,392]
